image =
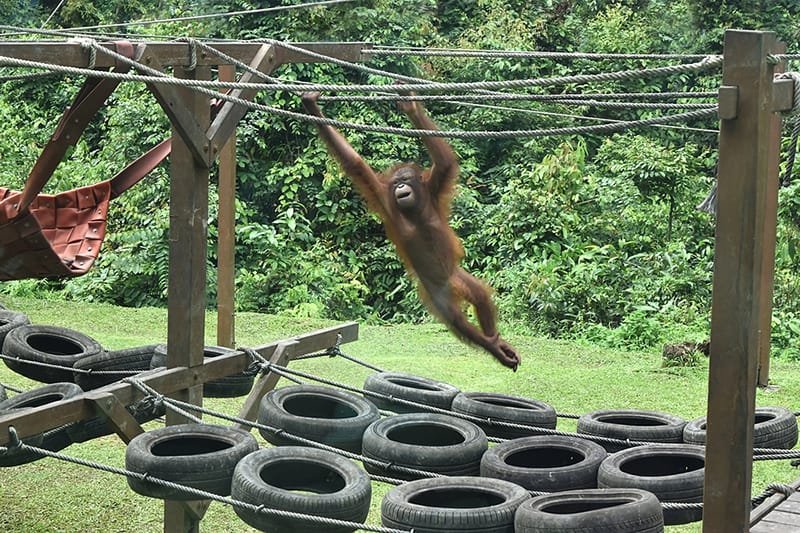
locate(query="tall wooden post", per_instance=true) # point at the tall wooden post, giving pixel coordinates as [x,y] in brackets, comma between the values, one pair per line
[745,232]
[187,274]
[226,243]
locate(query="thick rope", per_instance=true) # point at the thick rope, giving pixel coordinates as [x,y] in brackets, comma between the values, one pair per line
[462,52]
[566,98]
[149,391]
[550,98]
[200,87]
[179,406]
[156,76]
[204,495]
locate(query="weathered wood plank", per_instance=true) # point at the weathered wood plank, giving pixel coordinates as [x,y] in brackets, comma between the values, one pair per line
[230,114]
[741,238]
[38,419]
[226,229]
[173,53]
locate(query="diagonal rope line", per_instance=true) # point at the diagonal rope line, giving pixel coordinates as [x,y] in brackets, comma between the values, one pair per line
[465,52]
[204,495]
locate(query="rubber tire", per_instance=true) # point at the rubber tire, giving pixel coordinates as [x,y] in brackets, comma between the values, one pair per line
[52,345]
[53,440]
[505,408]
[631,424]
[591,511]
[224,387]
[460,503]
[301,480]
[231,386]
[424,441]
[135,359]
[408,387]
[775,428]
[322,414]
[200,456]
[10,320]
[545,463]
[673,472]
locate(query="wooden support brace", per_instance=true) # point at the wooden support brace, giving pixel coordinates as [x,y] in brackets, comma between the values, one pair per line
[171,98]
[120,420]
[230,114]
[226,233]
[283,353]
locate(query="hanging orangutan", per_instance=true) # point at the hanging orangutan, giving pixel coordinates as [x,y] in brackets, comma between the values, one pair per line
[414,205]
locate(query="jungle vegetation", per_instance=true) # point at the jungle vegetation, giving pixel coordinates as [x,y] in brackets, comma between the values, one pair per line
[581,236]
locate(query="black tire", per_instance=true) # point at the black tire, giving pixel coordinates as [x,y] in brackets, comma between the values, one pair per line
[424,441]
[10,320]
[125,361]
[775,428]
[545,463]
[51,345]
[322,414]
[229,386]
[200,456]
[591,511]
[159,358]
[54,440]
[3,393]
[505,408]
[673,472]
[461,503]
[224,387]
[632,425]
[301,480]
[408,387]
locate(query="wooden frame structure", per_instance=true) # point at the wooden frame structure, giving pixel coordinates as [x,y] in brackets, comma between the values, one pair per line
[197,142]
[743,271]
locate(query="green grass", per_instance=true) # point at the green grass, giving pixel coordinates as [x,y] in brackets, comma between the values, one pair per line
[54,496]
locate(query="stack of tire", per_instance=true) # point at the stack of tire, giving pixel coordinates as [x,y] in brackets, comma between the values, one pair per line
[303,476]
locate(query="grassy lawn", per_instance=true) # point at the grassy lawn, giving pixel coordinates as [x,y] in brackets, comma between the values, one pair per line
[53,496]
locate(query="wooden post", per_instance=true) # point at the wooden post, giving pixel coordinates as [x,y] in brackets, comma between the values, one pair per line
[745,231]
[770,223]
[187,274]
[226,256]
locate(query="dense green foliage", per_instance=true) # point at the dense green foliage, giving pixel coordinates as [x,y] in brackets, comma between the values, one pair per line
[590,235]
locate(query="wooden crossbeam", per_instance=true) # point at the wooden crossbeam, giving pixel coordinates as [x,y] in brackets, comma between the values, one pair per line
[43,418]
[172,54]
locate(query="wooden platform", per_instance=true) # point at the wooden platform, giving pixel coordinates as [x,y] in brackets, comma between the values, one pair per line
[778,514]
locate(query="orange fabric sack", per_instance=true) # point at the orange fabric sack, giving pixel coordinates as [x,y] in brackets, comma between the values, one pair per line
[59,235]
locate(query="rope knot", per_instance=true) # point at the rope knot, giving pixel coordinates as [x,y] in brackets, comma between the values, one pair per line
[87,44]
[783,488]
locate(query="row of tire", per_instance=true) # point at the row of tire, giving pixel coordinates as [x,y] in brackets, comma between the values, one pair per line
[307,480]
[293,489]
[508,416]
[412,445]
[53,354]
